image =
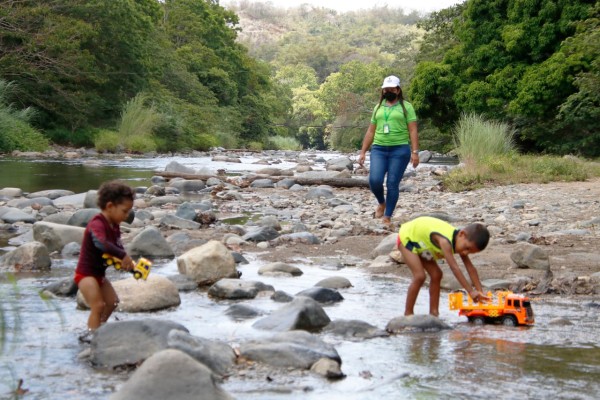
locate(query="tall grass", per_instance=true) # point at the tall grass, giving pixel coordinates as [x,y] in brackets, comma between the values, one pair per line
[134,130]
[477,139]
[16,133]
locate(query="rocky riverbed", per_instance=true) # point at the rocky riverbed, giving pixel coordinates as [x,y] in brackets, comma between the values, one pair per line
[544,243]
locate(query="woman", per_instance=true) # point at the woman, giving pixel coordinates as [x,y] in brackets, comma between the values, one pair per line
[395,142]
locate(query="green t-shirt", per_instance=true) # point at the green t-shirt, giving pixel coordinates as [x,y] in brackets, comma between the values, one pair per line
[394,117]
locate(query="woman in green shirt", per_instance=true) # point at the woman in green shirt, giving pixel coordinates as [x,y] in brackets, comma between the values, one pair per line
[391,135]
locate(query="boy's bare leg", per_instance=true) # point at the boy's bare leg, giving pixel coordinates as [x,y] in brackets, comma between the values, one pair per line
[111,300]
[90,289]
[435,273]
[416,267]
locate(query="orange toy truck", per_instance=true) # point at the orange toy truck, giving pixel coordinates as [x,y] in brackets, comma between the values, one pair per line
[510,309]
[141,269]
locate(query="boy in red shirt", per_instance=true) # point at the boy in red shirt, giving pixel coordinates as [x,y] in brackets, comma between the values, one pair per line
[102,235]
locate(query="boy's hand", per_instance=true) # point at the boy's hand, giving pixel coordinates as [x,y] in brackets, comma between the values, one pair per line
[479,297]
[127,263]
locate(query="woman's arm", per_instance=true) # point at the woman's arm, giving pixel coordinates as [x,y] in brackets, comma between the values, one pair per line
[414,143]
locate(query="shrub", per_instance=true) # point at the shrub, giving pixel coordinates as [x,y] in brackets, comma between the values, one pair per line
[255,146]
[284,143]
[107,141]
[139,144]
[17,134]
[83,137]
[227,140]
[477,139]
[137,119]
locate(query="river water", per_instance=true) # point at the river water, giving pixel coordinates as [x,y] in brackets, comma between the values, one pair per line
[544,361]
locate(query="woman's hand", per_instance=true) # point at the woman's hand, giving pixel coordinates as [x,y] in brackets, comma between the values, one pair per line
[127,263]
[414,159]
[361,158]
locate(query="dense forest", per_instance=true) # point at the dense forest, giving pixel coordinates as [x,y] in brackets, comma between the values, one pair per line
[143,75]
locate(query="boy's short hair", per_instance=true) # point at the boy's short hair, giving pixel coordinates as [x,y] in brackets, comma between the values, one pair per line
[478,234]
[115,192]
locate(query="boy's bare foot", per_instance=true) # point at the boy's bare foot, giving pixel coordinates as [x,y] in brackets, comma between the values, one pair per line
[380,210]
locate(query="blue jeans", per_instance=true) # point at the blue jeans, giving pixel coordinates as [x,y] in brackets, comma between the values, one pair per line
[390,160]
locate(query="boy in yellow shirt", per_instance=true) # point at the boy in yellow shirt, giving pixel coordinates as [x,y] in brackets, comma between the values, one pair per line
[425,240]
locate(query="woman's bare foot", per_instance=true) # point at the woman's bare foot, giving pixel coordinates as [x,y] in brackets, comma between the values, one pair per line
[380,210]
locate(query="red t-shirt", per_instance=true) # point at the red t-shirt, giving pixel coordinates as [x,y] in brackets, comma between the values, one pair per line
[100,237]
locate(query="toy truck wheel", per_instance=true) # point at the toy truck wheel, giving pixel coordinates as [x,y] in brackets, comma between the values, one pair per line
[509,320]
[137,275]
[477,320]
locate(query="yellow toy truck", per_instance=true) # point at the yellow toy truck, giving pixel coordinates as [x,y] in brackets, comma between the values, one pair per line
[509,309]
[141,269]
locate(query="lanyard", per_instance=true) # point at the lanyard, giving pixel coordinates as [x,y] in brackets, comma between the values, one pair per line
[387,115]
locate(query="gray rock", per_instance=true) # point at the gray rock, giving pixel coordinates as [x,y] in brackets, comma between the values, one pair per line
[301,313]
[213,181]
[262,183]
[144,215]
[176,167]
[56,236]
[279,268]
[174,222]
[161,201]
[158,180]
[527,255]
[328,368]
[186,211]
[82,217]
[183,283]
[318,192]
[271,221]
[215,354]
[420,323]
[11,192]
[150,243]
[298,237]
[182,242]
[560,321]
[23,203]
[31,256]
[171,374]
[91,199]
[74,200]
[296,349]
[425,156]
[334,282]
[354,329]
[234,289]
[495,284]
[156,190]
[71,250]
[51,194]
[242,311]
[59,218]
[285,183]
[322,295]
[239,259]
[281,297]
[339,164]
[261,234]
[188,186]
[12,215]
[64,288]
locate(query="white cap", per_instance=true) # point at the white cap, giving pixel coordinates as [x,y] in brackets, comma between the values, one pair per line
[390,81]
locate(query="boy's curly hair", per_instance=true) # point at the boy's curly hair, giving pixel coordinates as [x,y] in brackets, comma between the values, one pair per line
[478,234]
[115,192]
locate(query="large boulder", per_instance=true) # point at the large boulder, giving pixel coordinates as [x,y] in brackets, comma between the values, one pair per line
[322,295]
[339,164]
[155,293]
[208,263]
[63,288]
[215,354]
[261,234]
[31,256]
[527,255]
[173,222]
[126,343]
[295,349]
[56,236]
[278,269]
[74,200]
[176,167]
[150,243]
[302,313]
[171,374]
[385,246]
[51,194]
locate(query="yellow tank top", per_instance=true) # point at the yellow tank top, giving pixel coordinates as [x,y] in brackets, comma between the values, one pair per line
[415,235]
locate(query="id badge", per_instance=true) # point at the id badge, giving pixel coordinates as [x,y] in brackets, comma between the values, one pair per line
[386,128]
